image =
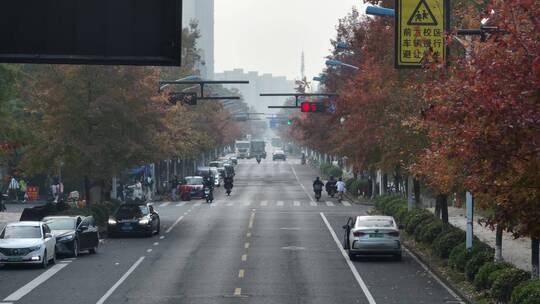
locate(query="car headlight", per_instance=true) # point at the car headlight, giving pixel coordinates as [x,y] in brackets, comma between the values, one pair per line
[144,221]
[35,248]
[65,238]
[112,221]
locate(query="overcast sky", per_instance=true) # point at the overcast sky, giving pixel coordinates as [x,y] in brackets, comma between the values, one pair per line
[268,35]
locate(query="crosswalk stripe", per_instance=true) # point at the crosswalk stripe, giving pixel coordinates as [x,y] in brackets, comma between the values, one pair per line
[247,203]
[264,203]
[312,203]
[345,203]
[180,204]
[296,203]
[329,203]
[280,203]
[165,204]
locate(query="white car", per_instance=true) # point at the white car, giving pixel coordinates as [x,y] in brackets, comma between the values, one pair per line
[27,243]
[372,235]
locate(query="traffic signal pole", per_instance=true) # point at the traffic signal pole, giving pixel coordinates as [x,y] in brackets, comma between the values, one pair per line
[296,98]
[202,83]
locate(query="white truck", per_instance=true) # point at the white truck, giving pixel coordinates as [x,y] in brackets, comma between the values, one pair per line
[242,148]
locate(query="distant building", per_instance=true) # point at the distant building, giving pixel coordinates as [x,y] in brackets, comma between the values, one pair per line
[203,12]
[265,83]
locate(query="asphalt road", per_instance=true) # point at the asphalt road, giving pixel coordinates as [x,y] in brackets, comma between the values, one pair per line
[266,243]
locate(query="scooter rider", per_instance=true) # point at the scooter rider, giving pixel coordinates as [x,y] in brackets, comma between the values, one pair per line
[258,158]
[228,183]
[317,187]
[209,183]
[331,186]
[340,188]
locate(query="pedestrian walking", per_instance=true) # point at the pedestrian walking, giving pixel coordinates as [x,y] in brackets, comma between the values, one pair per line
[137,190]
[23,186]
[174,188]
[13,189]
[148,184]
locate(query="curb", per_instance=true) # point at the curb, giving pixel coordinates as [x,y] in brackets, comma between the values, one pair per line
[446,283]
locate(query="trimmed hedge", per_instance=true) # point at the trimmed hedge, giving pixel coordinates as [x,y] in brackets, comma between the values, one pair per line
[476,261]
[507,279]
[446,241]
[482,279]
[415,218]
[431,231]
[527,293]
[331,170]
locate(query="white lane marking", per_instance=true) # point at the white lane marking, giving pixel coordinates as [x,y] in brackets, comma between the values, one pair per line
[21,292]
[162,237]
[180,204]
[165,204]
[450,291]
[296,203]
[175,223]
[301,185]
[65,261]
[329,203]
[149,250]
[347,204]
[6,303]
[156,243]
[247,203]
[280,203]
[122,279]
[312,203]
[356,275]
[264,203]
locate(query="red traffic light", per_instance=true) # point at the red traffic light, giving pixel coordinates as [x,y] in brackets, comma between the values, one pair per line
[312,107]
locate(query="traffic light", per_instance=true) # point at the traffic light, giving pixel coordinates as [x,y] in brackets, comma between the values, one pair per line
[186,98]
[312,107]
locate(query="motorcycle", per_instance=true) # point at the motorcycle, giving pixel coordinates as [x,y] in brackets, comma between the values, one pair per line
[228,188]
[331,190]
[318,191]
[208,195]
[303,161]
[258,159]
[3,197]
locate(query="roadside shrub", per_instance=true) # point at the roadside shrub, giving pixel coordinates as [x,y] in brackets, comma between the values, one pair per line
[476,261]
[429,232]
[446,241]
[482,278]
[353,185]
[383,200]
[421,226]
[401,214]
[393,206]
[527,293]
[334,171]
[416,217]
[507,279]
[458,257]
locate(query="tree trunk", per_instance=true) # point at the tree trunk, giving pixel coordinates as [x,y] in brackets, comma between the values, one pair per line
[87,189]
[498,243]
[385,183]
[444,208]
[438,206]
[535,256]
[417,199]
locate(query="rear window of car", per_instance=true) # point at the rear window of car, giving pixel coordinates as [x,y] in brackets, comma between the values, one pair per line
[378,223]
[194,181]
[61,223]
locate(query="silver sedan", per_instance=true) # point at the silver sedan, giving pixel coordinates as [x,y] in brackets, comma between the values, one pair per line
[372,235]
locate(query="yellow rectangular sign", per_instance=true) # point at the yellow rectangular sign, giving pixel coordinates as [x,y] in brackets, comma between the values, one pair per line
[420,32]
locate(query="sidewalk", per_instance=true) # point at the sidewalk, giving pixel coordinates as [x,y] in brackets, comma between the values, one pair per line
[515,251]
[8,217]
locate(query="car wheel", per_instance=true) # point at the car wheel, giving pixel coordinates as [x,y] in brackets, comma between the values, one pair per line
[44,260]
[53,260]
[93,250]
[75,251]
[352,256]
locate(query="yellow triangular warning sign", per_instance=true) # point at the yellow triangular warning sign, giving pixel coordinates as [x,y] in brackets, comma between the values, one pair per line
[422,15]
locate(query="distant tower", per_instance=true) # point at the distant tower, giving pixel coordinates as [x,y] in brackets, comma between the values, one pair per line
[303,66]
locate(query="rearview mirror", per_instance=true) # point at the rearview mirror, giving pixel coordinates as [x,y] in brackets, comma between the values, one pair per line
[48,235]
[83,228]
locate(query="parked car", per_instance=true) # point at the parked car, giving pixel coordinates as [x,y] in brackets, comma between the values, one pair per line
[279,154]
[192,187]
[215,163]
[27,243]
[74,234]
[134,218]
[210,172]
[372,235]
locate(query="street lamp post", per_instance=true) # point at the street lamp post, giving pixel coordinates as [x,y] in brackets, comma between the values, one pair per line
[334,62]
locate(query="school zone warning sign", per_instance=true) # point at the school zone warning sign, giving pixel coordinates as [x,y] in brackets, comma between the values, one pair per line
[420,32]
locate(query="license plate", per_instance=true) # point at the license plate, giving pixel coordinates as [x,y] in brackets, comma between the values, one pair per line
[376,235]
[15,259]
[127,227]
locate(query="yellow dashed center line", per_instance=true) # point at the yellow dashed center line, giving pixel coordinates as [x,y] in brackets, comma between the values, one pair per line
[246,245]
[241,273]
[248,234]
[244,257]
[238,292]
